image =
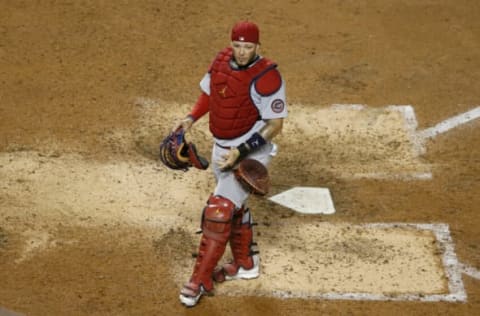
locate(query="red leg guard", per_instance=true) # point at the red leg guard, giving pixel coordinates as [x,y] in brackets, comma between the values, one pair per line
[241,240]
[216,226]
[241,243]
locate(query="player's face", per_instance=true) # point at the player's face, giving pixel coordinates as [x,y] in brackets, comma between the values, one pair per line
[244,52]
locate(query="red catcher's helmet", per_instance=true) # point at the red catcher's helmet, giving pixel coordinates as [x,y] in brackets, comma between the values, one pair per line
[245,31]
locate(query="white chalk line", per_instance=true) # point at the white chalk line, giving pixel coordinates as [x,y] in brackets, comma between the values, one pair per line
[470,271]
[398,176]
[450,123]
[411,125]
[449,259]
[358,107]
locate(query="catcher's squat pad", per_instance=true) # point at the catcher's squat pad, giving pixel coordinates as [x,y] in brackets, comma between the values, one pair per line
[342,258]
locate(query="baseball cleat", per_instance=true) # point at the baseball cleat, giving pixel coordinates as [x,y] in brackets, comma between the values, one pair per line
[231,271]
[190,295]
[242,273]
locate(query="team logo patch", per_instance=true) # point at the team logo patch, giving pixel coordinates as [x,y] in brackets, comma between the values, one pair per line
[278,105]
[223,91]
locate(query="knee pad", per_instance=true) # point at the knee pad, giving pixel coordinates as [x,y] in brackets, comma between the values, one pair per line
[242,217]
[217,218]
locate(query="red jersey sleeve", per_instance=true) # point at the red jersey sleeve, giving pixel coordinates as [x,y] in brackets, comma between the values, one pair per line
[201,107]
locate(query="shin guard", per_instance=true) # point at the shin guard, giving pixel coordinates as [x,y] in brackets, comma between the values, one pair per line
[245,259]
[216,227]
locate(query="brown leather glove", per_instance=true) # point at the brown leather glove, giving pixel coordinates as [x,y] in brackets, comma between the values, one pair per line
[253,176]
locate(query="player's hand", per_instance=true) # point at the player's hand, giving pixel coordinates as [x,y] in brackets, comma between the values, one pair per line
[228,160]
[185,123]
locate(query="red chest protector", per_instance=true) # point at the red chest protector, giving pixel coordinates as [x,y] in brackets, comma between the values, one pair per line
[232,111]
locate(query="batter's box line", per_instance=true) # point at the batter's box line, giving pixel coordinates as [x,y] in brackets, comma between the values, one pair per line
[453,270]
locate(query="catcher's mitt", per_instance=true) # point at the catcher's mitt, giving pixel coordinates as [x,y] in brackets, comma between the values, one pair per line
[253,176]
[178,154]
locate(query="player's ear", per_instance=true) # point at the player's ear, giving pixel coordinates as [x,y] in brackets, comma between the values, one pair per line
[257,49]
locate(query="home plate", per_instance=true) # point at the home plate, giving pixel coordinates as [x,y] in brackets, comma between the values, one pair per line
[308,200]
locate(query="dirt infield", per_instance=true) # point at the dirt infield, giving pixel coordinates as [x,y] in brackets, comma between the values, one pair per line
[92,224]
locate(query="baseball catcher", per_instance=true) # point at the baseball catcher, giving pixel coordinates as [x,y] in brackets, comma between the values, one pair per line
[243,94]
